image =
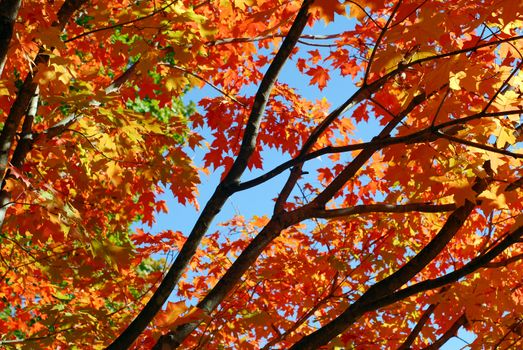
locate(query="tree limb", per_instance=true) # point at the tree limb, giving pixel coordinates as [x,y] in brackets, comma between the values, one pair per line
[504,263]
[378,41]
[227,281]
[475,264]
[27,91]
[7,20]
[121,24]
[388,285]
[479,145]
[222,193]
[228,187]
[22,148]
[353,167]
[280,221]
[417,329]
[451,332]
[382,208]
[424,135]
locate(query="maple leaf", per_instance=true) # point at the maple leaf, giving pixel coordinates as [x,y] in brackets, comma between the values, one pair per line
[326,9]
[455,78]
[167,318]
[320,76]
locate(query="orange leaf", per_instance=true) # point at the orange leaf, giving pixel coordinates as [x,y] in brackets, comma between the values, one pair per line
[326,9]
[166,318]
[319,75]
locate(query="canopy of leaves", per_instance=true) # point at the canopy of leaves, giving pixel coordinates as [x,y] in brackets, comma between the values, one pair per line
[396,243]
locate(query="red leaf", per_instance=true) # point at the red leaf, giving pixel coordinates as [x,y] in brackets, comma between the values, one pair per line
[319,75]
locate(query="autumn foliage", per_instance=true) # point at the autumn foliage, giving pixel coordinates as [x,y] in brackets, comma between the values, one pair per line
[395,241]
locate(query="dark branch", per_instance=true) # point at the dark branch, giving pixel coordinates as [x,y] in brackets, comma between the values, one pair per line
[500,89]
[232,98]
[451,332]
[26,94]
[378,42]
[224,41]
[479,145]
[22,148]
[121,24]
[505,262]
[356,164]
[222,193]
[7,20]
[383,208]
[470,267]
[417,329]
[369,300]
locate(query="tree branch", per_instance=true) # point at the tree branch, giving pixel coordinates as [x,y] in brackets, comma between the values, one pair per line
[425,135]
[382,208]
[7,20]
[269,37]
[479,262]
[417,329]
[451,332]
[378,41]
[504,263]
[27,91]
[232,98]
[222,193]
[26,101]
[303,318]
[388,285]
[262,96]
[479,145]
[229,185]
[121,24]
[280,221]
[498,91]
[356,164]
[228,281]
[28,138]
[364,92]
[22,148]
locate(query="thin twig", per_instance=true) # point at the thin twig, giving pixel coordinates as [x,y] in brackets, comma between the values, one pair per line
[479,145]
[232,98]
[378,42]
[120,24]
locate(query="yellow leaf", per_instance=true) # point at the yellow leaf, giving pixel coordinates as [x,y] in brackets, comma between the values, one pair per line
[356,11]
[242,4]
[496,160]
[4,91]
[455,78]
[506,136]
[207,30]
[493,199]
[114,172]
[61,296]
[508,98]
[419,55]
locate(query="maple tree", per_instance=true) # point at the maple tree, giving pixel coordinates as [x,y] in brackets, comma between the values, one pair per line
[396,242]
